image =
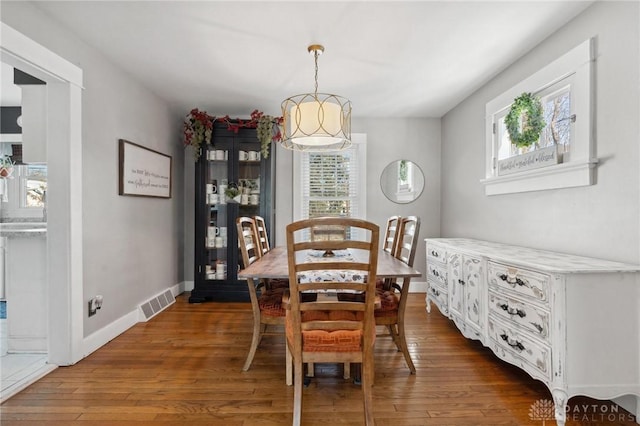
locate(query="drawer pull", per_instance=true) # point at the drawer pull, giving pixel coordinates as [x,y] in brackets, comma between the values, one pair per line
[434,253]
[538,327]
[513,343]
[435,273]
[434,291]
[512,279]
[461,282]
[511,311]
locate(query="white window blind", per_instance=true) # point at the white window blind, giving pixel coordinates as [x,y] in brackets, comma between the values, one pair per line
[331,183]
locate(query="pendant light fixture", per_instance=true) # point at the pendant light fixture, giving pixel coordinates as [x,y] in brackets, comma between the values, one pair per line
[315,121]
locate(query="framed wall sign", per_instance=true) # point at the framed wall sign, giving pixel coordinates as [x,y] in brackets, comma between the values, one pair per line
[143,171]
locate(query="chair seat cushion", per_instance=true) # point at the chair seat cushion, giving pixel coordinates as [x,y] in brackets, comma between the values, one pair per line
[270,303]
[389,303]
[329,340]
[277,283]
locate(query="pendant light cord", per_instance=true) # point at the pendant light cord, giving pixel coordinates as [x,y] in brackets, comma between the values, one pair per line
[315,55]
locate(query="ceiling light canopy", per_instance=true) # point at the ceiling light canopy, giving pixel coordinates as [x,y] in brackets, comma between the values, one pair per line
[316,121]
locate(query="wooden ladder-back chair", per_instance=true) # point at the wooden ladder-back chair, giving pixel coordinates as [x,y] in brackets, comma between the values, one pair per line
[328,329]
[263,235]
[266,303]
[393,296]
[263,241]
[390,241]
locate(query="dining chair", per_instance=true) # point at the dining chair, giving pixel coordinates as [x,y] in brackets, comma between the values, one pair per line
[263,236]
[327,329]
[390,233]
[328,232]
[391,239]
[263,241]
[393,296]
[266,303]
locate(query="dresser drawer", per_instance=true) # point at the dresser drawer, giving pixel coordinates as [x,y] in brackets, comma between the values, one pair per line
[513,311]
[523,282]
[520,349]
[439,296]
[437,273]
[436,253]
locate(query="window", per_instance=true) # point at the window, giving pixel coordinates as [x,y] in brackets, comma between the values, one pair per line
[331,183]
[26,192]
[564,89]
[556,104]
[33,186]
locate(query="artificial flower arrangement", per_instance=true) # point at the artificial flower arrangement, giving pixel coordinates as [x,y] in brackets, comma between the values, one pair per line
[6,167]
[198,128]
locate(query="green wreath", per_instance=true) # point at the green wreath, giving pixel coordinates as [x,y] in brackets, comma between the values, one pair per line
[533,122]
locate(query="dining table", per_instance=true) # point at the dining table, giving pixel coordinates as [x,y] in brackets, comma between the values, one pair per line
[275,264]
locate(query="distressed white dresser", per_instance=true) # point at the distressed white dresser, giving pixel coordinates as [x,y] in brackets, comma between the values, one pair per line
[572,322]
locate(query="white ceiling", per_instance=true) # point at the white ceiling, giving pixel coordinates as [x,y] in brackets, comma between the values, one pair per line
[390,58]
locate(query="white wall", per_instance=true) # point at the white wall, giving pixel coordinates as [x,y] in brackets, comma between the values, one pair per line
[388,139]
[599,221]
[132,246]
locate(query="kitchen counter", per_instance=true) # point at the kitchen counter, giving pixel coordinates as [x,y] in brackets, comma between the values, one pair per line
[23,229]
[26,285]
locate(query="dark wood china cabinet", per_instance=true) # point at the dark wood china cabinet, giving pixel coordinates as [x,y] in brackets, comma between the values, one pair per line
[232,161]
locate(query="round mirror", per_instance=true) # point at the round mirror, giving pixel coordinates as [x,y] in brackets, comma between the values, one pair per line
[402,181]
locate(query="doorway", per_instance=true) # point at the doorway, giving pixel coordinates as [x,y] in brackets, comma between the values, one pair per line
[64,195]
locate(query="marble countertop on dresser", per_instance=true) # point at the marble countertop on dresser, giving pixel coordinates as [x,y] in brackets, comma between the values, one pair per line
[543,260]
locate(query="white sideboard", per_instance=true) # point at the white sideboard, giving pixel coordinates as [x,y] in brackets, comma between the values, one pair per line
[572,322]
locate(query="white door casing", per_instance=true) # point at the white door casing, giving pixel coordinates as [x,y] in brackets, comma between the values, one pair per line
[64,194]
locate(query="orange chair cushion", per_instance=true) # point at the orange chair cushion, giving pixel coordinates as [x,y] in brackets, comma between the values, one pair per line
[389,303]
[329,340]
[270,303]
[278,283]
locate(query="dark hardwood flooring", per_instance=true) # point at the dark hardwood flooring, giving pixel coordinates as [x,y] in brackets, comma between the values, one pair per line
[184,367]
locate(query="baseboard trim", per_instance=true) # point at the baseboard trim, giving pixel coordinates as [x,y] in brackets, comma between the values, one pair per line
[418,287]
[109,332]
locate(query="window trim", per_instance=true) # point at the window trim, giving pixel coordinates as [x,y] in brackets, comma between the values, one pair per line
[358,139]
[580,169]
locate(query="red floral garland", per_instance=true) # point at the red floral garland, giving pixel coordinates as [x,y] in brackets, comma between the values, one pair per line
[198,126]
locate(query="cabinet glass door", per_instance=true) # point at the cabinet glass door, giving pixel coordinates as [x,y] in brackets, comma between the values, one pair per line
[217,231]
[231,180]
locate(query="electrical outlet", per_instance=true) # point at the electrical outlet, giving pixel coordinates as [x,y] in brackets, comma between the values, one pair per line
[95,304]
[92,307]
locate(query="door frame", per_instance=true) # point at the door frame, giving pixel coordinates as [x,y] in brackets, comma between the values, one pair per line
[64,193]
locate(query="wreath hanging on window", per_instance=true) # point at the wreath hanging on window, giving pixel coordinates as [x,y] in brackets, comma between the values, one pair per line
[525,121]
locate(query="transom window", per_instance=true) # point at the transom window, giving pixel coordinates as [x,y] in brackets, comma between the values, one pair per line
[564,155]
[558,116]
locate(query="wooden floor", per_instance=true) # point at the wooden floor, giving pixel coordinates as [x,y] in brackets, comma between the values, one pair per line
[184,367]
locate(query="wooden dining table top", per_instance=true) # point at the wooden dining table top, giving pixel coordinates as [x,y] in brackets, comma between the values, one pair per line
[274,264]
